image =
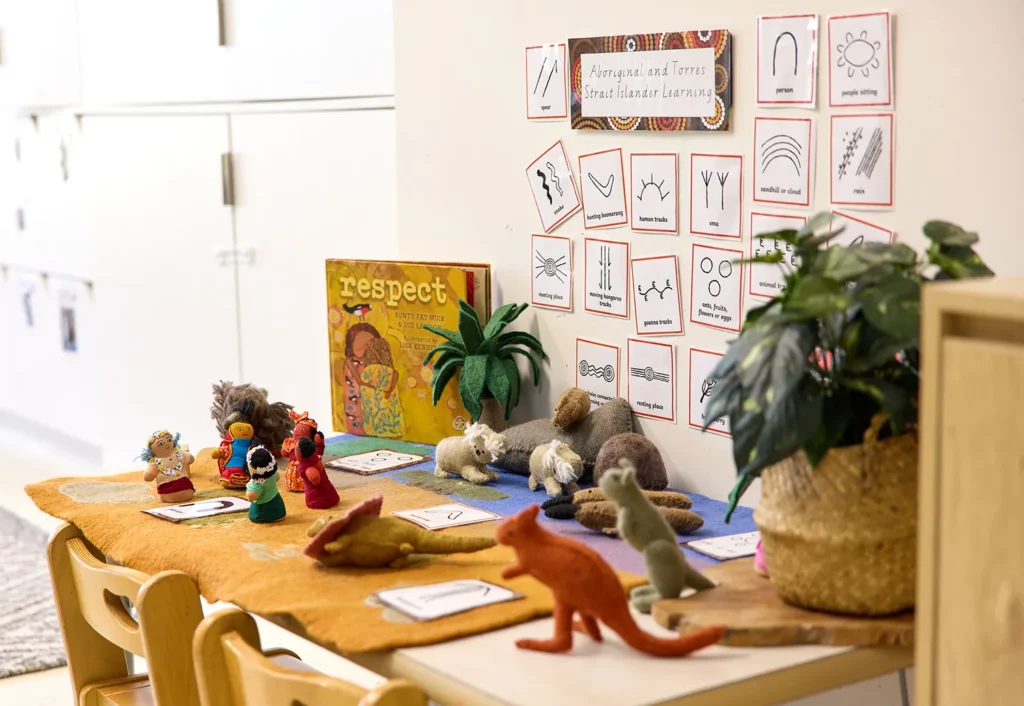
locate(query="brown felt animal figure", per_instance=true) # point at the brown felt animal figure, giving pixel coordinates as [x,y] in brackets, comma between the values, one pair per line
[582,582]
[639,451]
[593,509]
[247,403]
[603,517]
[572,406]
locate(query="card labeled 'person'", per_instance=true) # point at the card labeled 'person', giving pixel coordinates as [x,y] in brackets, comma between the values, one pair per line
[442,516]
[437,600]
[597,371]
[553,187]
[860,59]
[787,61]
[604,190]
[654,183]
[656,298]
[783,160]
[372,462]
[862,160]
[606,277]
[702,389]
[545,82]
[652,379]
[856,231]
[551,272]
[716,287]
[716,187]
[769,280]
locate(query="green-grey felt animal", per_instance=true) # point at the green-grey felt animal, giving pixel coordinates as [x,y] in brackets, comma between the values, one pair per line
[644,529]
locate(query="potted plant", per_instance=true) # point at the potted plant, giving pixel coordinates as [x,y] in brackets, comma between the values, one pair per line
[820,390]
[489,378]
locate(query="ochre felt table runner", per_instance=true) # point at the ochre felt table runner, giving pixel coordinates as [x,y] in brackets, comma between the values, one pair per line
[261,569]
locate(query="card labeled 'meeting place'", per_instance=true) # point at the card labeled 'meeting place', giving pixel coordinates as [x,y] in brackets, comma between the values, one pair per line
[551,272]
[553,187]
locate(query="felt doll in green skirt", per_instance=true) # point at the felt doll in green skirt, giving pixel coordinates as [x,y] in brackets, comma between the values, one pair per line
[267,505]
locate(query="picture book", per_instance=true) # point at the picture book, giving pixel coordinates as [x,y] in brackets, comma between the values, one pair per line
[376,311]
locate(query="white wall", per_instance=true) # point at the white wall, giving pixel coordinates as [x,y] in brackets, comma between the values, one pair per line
[463,142]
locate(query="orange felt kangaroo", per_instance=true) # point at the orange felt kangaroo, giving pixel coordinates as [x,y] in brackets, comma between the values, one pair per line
[582,582]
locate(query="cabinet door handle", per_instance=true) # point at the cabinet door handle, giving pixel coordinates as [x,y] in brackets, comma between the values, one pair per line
[222,39]
[227,178]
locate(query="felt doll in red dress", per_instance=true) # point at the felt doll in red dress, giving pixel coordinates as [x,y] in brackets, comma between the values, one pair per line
[305,428]
[320,492]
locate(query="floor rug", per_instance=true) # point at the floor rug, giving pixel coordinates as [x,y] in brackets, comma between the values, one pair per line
[29,631]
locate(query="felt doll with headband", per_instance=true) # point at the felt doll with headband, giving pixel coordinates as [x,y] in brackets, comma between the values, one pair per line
[170,466]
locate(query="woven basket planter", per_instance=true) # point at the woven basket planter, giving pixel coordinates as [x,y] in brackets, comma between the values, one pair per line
[842,537]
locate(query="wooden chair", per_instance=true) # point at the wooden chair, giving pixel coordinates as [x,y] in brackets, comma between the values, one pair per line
[233,672]
[98,630]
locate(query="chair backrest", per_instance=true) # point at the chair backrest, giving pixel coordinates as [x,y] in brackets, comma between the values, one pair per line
[98,629]
[232,671]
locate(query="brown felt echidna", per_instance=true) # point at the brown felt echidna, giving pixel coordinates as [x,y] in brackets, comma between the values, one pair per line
[602,517]
[572,406]
[592,509]
[638,450]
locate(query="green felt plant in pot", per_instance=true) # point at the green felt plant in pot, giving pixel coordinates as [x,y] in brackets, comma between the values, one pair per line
[489,378]
[820,390]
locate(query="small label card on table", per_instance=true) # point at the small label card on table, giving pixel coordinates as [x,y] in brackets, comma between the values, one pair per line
[200,509]
[371,462]
[438,600]
[442,516]
[733,546]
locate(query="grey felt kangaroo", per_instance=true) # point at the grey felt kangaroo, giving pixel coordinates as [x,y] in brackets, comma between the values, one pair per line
[644,529]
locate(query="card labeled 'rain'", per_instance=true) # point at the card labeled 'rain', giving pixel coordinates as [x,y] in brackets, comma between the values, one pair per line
[597,371]
[769,280]
[545,82]
[783,160]
[553,187]
[716,286]
[551,272]
[787,61]
[702,389]
[652,379]
[604,191]
[654,181]
[606,277]
[656,298]
[856,231]
[862,160]
[716,186]
[860,59]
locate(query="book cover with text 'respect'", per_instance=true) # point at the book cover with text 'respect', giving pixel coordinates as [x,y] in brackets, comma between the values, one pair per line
[376,312]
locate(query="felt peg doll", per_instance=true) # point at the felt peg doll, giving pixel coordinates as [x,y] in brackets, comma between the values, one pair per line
[231,456]
[320,492]
[267,505]
[305,428]
[170,466]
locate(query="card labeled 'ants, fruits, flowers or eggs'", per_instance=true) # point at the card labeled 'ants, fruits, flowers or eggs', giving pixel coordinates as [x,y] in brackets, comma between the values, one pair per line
[716,287]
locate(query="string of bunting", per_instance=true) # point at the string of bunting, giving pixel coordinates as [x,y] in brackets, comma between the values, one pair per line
[46,275]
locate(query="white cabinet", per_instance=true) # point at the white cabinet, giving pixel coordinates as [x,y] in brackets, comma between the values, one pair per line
[38,53]
[308,186]
[234,50]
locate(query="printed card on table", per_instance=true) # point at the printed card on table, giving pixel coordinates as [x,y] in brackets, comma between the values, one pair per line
[437,600]
[372,462]
[442,516]
[768,280]
[606,277]
[783,161]
[654,184]
[604,190]
[551,272]
[716,187]
[553,187]
[199,509]
[861,164]
[652,379]
[597,371]
[716,287]
[545,82]
[656,298]
[787,61]
[856,231]
[732,546]
[702,389]
[860,59]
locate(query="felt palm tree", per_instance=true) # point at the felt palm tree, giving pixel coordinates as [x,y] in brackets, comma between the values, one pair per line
[489,379]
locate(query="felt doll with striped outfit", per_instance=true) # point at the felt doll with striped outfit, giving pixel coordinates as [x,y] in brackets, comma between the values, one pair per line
[231,456]
[170,466]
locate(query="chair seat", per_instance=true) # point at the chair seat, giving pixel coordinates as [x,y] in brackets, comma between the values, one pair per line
[133,691]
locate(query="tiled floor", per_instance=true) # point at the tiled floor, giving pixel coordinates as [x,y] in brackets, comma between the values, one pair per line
[22,463]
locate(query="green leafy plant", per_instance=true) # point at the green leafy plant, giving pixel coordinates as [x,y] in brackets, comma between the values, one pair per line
[838,345]
[486,356]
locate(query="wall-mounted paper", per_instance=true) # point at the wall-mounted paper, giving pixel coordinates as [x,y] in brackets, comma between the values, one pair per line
[545,82]
[656,296]
[716,188]
[856,231]
[784,160]
[606,277]
[597,371]
[769,280]
[553,187]
[861,164]
[68,321]
[787,61]
[716,286]
[551,271]
[860,59]
[702,390]
[604,189]
[654,183]
[652,379]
